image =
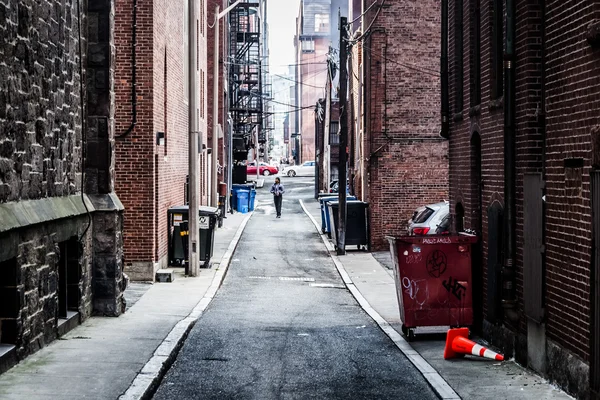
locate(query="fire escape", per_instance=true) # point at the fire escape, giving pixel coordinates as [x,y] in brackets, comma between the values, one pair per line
[245,85]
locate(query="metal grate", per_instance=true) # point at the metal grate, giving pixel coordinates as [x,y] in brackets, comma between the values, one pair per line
[533,269]
[595,290]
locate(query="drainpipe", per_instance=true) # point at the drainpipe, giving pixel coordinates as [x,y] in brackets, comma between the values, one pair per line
[444,72]
[508,270]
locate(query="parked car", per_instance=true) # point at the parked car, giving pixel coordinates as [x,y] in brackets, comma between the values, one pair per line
[334,187]
[264,169]
[444,226]
[306,169]
[426,219]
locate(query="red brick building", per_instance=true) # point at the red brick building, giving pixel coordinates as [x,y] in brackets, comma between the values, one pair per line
[397,159]
[152,134]
[524,97]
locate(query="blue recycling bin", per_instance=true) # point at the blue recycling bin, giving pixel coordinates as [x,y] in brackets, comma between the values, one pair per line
[235,188]
[242,200]
[325,226]
[252,199]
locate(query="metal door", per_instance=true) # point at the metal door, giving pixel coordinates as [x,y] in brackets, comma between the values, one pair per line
[533,269]
[494,261]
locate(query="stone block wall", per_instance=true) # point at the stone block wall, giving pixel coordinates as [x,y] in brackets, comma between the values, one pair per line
[40,103]
[49,263]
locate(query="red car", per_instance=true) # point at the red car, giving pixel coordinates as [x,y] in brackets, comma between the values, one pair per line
[264,169]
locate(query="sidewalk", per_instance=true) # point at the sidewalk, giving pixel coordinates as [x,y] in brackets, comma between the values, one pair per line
[372,283]
[102,357]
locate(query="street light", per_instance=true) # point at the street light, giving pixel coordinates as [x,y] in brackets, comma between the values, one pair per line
[215,139]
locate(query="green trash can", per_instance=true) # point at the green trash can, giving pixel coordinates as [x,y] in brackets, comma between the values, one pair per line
[207,224]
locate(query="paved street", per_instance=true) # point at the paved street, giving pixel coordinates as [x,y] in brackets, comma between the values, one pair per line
[283,326]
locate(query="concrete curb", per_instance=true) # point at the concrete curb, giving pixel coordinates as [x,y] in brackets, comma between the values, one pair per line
[146,381]
[435,380]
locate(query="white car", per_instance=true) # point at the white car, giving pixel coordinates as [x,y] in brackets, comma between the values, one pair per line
[306,169]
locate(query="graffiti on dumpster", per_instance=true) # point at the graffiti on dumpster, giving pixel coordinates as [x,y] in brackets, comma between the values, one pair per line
[436,263]
[453,286]
[413,258]
[417,290]
[437,240]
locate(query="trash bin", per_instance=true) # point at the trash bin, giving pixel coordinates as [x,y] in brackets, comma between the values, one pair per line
[242,200]
[206,223]
[251,201]
[234,190]
[432,274]
[177,228]
[357,228]
[325,228]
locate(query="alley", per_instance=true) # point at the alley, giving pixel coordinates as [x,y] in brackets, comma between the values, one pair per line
[283,326]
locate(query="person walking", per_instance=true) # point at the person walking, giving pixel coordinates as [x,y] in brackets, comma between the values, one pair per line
[278,190]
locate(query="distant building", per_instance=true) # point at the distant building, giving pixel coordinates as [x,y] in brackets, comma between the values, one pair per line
[152,126]
[316,33]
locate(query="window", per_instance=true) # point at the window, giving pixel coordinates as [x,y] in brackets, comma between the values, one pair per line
[322,23]
[497,40]
[475,53]
[68,277]
[458,56]
[423,215]
[308,46]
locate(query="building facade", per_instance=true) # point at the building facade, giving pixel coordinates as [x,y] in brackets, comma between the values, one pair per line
[315,40]
[60,220]
[523,133]
[397,159]
[152,119]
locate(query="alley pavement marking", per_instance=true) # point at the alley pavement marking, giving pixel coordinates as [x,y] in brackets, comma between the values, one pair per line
[442,388]
[166,352]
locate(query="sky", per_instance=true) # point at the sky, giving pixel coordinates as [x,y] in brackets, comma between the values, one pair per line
[281,17]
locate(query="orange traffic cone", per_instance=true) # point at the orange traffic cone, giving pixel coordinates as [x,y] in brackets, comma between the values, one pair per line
[458,344]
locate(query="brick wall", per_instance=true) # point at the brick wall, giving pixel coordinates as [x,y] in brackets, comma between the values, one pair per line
[571,114]
[151,177]
[135,162]
[407,159]
[570,66]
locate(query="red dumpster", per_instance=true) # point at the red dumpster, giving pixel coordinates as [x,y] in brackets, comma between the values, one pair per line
[433,280]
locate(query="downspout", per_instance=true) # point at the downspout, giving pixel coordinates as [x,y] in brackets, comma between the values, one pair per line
[444,73]
[508,270]
[133,74]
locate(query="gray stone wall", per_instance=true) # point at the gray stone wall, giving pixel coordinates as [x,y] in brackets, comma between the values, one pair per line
[41,204]
[37,282]
[40,104]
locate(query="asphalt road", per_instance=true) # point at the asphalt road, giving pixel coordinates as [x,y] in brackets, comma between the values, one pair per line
[283,326]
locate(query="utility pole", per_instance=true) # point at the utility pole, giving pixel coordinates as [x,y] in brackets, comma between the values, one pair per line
[342,182]
[194,233]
